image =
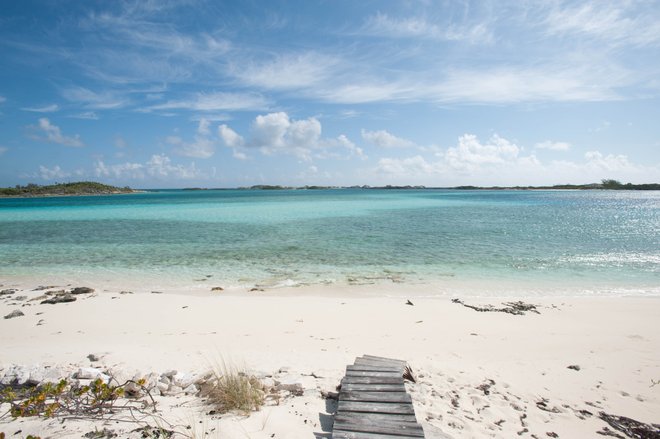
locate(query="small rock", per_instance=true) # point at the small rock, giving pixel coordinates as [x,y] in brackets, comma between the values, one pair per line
[15,375]
[60,298]
[126,292]
[183,379]
[91,373]
[156,292]
[14,313]
[162,387]
[82,290]
[191,390]
[574,367]
[7,292]
[20,298]
[44,287]
[290,383]
[408,302]
[170,373]
[92,357]
[217,289]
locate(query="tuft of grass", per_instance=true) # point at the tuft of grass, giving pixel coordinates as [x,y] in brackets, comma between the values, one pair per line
[232,389]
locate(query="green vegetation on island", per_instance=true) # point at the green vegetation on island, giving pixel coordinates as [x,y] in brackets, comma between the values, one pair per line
[77,188]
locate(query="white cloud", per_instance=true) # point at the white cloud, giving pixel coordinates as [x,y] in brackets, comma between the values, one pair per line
[277,133]
[610,162]
[50,174]
[470,154]
[54,134]
[45,109]
[159,166]
[202,147]
[220,101]
[411,167]
[89,115]
[102,101]
[615,22]
[288,71]
[384,139]
[420,27]
[230,137]
[554,146]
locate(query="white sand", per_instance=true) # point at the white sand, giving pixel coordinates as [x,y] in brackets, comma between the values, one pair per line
[452,349]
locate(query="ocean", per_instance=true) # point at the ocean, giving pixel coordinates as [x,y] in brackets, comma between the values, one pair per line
[436,242]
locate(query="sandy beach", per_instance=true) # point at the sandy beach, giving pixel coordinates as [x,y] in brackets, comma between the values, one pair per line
[479,374]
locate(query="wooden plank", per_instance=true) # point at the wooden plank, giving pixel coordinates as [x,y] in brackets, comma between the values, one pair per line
[366,425]
[391,417]
[351,387]
[366,362]
[371,373]
[354,367]
[375,397]
[371,380]
[360,435]
[389,360]
[376,407]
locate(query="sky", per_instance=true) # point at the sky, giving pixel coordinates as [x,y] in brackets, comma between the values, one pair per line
[206,93]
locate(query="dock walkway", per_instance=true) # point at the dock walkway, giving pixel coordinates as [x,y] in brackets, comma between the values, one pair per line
[373,402]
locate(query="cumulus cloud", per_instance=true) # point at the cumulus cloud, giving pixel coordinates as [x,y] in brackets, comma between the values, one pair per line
[411,166]
[159,166]
[277,133]
[203,145]
[384,139]
[470,154]
[610,162]
[52,173]
[554,146]
[54,134]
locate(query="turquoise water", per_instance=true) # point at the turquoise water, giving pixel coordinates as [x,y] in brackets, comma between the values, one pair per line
[551,241]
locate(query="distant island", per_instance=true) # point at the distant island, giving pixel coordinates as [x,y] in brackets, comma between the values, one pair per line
[77,188]
[607,184]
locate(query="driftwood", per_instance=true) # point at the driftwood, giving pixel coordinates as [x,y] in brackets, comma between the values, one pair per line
[630,427]
[516,308]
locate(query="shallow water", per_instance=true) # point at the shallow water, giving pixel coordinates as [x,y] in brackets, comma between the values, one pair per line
[573,242]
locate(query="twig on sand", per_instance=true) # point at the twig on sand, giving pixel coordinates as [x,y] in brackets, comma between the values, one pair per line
[516,308]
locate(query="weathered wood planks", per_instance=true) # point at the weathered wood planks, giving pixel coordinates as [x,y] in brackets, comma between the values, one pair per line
[373,402]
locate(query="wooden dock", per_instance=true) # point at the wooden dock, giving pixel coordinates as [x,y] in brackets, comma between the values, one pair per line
[373,402]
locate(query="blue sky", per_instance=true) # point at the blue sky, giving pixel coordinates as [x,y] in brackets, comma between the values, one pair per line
[222,94]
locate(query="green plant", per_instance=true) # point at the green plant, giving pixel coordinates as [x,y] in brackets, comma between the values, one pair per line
[63,398]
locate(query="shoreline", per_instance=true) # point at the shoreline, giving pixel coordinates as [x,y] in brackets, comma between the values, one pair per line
[455,351]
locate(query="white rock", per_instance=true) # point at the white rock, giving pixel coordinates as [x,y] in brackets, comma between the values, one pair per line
[170,373]
[37,374]
[54,374]
[164,379]
[162,387]
[284,369]
[91,373]
[16,375]
[191,390]
[268,382]
[183,379]
[292,383]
